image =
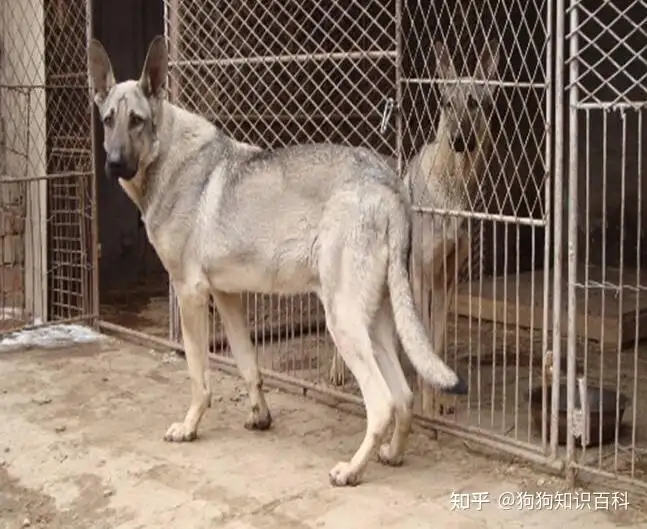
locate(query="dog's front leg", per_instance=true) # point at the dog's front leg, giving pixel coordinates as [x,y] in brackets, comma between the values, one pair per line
[195,334]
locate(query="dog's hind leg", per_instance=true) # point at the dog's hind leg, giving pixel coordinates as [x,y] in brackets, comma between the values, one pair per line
[195,334]
[230,308]
[386,352]
[352,280]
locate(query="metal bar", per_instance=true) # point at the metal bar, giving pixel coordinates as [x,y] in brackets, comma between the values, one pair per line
[634,419]
[398,86]
[471,82]
[548,208]
[573,176]
[611,105]
[619,355]
[53,176]
[557,226]
[273,59]
[505,219]
[94,213]
[609,476]
[172,31]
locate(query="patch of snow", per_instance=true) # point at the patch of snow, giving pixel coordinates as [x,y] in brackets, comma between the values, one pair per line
[48,337]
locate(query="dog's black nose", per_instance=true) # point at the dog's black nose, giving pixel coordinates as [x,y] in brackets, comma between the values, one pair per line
[458,143]
[118,167]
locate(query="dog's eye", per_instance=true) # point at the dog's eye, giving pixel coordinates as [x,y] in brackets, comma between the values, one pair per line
[135,120]
[107,121]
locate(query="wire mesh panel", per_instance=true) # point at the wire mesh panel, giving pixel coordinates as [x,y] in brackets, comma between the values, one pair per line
[607,363]
[278,73]
[475,138]
[46,162]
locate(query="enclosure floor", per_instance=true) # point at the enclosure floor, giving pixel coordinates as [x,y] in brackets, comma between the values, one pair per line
[80,442]
[503,364]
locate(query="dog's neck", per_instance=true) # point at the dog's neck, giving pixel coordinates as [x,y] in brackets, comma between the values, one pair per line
[149,175]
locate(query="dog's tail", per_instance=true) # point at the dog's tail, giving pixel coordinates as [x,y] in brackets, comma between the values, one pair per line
[408,324]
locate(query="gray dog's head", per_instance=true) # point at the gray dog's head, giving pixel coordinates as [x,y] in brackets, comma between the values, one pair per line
[464,104]
[130,110]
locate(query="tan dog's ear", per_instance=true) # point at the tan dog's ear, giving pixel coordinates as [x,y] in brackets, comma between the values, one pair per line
[444,64]
[101,74]
[489,61]
[153,77]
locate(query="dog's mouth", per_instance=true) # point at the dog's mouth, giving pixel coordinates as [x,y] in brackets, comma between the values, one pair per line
[123,171]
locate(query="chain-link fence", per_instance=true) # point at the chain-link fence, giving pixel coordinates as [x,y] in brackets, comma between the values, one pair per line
[526,119]
[469,97]
[46,172]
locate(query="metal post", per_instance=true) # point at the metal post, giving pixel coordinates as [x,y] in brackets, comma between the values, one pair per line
[572,238]
[172,28]
[94,210]
[550,120]
[557,228]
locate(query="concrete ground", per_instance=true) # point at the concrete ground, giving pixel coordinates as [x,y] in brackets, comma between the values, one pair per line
[81,446]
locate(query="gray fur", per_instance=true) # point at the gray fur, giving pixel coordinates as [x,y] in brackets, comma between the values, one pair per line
[226,217]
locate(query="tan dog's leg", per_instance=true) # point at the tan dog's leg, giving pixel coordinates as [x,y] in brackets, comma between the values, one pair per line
[195,334]
[443,288]
[336,374]
[230,308]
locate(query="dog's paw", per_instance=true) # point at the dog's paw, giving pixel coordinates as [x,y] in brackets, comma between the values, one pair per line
[343,475]
[179,433]
[336,375]
[259,420]
[385,457]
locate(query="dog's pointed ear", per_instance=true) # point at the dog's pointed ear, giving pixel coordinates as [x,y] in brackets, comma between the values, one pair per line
[489,60]
[101,74]
[444,64]
[153,78]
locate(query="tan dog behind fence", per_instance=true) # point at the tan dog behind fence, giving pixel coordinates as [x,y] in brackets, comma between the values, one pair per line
[446,174]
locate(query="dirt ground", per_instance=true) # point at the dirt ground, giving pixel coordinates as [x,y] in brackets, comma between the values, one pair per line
[81,447]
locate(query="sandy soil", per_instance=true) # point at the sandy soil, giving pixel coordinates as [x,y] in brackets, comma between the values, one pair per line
[80,447]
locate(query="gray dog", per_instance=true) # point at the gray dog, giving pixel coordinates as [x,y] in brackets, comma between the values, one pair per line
[226,217]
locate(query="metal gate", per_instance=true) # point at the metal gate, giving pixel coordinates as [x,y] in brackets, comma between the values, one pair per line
[283,72]
[47,206]
[606,87]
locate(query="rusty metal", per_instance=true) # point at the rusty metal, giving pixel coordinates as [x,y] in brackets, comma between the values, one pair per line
[607,97]
[46,200]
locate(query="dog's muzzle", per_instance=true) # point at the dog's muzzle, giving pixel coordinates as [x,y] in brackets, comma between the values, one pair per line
[460,145]
[119,168]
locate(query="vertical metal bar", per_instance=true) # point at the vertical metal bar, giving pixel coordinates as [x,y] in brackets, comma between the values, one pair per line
[557,243]
[550,120]
[572,236]
[94,213]
[634,421]
[398,86]
[623,189]
[172,28]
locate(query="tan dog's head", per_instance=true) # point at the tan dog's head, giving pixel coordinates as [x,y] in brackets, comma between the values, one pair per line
[465,105]
[130,110]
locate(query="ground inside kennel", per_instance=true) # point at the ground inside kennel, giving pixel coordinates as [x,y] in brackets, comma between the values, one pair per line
[81,425]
